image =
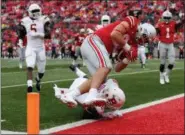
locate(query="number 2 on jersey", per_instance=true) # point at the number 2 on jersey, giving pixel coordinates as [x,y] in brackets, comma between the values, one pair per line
[33,27]
[167,32]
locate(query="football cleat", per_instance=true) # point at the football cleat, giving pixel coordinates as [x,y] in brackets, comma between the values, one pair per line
[20,65]
[73,67]
[38,84]
[57,91]
[30,89]
[166,78]
[69,100]
[162,78]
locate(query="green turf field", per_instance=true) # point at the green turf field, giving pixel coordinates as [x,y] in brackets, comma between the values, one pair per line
[140,86]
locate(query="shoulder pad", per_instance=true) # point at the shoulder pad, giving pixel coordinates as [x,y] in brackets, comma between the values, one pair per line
[45,19]
[25,20]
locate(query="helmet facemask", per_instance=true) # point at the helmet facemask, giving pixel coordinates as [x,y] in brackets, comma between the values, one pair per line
[36,13]
[167,19]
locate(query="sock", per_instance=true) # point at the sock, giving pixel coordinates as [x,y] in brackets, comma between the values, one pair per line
[30,83]
[93,92]
[39,76]
[76,92]
[80,73]
[168,71]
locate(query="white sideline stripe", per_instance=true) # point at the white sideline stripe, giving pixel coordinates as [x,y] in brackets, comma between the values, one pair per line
[3,120]
[12,132]
[64,80]
[83,122]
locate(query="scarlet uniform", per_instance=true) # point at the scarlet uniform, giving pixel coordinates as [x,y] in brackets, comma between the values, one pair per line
[97,47]
[130,36]
[166,32]
[79,39]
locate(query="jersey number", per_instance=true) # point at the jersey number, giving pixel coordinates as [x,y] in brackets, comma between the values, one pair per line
[167,32]
[33,27]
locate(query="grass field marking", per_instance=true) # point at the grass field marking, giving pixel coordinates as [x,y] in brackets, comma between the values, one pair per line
[3,121]
[12,132]
[17,72]
[83,122]
[124,111]
[64,80]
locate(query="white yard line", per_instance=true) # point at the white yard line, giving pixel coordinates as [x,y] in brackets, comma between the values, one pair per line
[83,122]
[2,121]
[5,73]
[70,79]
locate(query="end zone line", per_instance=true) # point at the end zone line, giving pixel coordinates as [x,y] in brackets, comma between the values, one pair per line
[83,122]
[64,80]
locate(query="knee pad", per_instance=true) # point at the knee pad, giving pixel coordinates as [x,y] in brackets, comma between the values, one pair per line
[162,68]
[170,66]
[29,68]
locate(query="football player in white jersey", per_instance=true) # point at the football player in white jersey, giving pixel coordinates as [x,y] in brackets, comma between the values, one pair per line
[110,91]
[141,54]
[105,20]
[36,27]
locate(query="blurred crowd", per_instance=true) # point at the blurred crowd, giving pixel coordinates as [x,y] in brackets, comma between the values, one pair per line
[68,17]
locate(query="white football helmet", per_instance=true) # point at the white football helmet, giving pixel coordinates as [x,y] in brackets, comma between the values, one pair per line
[82,30]
[146,30]
[167,16]
[113,94]
[105,19]
[34,11]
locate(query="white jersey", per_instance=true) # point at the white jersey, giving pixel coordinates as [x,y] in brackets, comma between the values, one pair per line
[34,27]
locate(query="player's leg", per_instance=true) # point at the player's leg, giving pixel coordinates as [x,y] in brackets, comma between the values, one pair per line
[139,55]
[95,52]
[78,72]
[41,64]
[143,57]
[171,58]
[162,49]
[91,59]
[22,57]
[30,63]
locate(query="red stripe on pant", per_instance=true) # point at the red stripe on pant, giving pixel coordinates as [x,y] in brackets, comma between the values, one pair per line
[98,52]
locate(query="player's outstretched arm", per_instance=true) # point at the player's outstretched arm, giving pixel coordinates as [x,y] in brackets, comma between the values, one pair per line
[47,30]
[21,31]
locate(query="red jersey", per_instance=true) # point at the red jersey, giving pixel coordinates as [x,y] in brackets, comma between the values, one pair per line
[4,48]
[24,41]
[79,39]
[181,48]
[105,33]
[166,32]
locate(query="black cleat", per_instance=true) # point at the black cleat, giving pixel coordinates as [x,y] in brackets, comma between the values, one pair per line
[38,85]
[91,113]
[73,67]
[30,89]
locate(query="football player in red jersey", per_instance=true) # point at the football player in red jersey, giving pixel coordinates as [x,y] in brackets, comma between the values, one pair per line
[96,49]
[166,30]
[78,42]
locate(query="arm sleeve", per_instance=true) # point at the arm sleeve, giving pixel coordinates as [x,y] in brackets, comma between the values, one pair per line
[21,31]
[47,30]
[179,24]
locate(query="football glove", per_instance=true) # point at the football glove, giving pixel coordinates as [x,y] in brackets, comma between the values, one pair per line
[130,52]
